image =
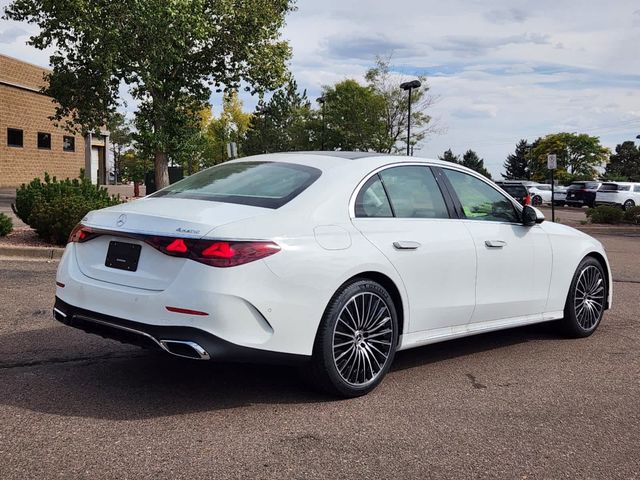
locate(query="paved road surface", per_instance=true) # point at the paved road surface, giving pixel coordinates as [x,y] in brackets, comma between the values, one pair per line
[523,403]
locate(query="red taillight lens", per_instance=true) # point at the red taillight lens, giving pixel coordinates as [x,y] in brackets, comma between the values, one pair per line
[216,253]
[80,234]
[527,200]
[231,254]
[177,246]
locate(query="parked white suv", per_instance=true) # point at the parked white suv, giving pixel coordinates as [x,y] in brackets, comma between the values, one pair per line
[624,194]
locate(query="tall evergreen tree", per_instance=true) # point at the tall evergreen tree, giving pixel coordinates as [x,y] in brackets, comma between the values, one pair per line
[516,166]
[471,160]
[625,163]
[448,156]
[285,123]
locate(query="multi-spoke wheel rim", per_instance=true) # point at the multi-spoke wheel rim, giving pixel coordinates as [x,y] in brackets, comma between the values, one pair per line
[629,204]
[362,339]
[589,297]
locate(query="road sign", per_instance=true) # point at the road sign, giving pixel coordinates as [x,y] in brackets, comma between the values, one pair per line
[552,162]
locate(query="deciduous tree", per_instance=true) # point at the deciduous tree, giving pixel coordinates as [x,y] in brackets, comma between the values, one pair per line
[169,53]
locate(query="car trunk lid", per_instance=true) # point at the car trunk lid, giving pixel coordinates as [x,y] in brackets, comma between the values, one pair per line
[136,222]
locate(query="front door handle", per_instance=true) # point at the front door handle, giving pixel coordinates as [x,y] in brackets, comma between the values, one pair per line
[495,243]
[406,245]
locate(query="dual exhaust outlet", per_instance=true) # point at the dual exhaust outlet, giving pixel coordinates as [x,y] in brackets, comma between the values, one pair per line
[178,348]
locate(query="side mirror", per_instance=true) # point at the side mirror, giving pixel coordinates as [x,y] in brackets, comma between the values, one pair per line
[531,216]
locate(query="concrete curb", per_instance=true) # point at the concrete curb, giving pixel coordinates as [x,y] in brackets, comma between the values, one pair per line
[45,253]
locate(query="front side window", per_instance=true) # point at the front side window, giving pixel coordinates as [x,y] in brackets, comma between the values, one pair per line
[259,184]
[636,188]
[372,201]
[480,201]
[44,141]
[414,192]
[15,137]
[69,144]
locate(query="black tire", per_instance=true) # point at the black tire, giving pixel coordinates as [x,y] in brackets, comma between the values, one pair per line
[586,300]
[628,204]
[536,201]
[339,322]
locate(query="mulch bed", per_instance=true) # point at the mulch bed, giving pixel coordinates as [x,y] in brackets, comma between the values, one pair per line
[24,237]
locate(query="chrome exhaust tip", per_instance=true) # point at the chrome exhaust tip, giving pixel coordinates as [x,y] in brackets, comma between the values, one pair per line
[184,349]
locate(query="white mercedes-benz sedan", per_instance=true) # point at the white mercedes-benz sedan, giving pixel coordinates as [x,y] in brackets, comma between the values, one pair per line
[333,259]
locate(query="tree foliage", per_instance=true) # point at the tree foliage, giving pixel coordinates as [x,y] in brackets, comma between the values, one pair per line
[120,138]
[578,156]
[624,164]
[385,83]
[471,160]
[354,117]
[231,126]
[169,53]
[516,166]
[448,156]
[284,123]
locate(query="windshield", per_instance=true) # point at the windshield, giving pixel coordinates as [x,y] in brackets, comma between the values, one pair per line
[260,184]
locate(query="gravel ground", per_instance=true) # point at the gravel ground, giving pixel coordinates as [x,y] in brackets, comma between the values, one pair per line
[521,403]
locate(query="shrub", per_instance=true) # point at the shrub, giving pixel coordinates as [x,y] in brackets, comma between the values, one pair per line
[53,208]
[6,225]
[632,215]
[605,214]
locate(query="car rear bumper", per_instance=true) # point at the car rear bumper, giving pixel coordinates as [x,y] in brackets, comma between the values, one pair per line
[180,341]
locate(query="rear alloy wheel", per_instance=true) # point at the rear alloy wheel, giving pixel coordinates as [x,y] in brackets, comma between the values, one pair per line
[356,341]
[629,204]
[536,201]
[586,300]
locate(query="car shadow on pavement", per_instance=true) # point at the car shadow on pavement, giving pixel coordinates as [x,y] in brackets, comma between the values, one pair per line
[126,383]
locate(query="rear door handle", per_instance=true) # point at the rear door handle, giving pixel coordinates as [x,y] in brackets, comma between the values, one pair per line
[406,245]
[495,243]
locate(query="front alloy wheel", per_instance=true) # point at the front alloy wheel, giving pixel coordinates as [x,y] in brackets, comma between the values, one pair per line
[586,300]
[356,341]
[629,204]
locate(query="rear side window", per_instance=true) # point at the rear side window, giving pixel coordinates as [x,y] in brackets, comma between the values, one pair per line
[259,184]
[372,200]
[636,188]
[414,192]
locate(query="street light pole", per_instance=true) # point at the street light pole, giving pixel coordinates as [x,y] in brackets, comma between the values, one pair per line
[322,101]
[408,86]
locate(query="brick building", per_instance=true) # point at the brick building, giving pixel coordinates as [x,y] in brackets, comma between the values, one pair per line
[30,144]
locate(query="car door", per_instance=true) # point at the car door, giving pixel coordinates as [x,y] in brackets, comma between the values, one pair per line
[513,261]
[403,212]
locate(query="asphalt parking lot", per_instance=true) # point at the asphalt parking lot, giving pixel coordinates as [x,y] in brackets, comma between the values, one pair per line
[523,403]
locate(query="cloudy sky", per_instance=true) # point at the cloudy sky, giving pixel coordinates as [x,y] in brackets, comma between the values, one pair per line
[502,70]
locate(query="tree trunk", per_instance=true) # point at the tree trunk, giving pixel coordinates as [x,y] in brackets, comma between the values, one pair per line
[162,170]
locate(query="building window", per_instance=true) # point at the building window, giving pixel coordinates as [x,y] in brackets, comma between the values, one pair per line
[15,137]
[69,144]
[44,141]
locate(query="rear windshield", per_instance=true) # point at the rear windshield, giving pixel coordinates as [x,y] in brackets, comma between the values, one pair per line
[583,185]
[613,187]
[259,184]
[514,190]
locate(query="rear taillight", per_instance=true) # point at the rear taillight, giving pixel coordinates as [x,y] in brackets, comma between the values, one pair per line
[216,253]
[527,200]
[80,234]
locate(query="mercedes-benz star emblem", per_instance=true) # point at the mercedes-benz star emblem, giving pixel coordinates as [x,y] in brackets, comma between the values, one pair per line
[122,219]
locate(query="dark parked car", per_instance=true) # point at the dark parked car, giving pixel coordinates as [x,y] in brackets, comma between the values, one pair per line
[517,190]
[582,193]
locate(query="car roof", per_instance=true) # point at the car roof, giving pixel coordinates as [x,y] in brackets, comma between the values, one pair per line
[329,160]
